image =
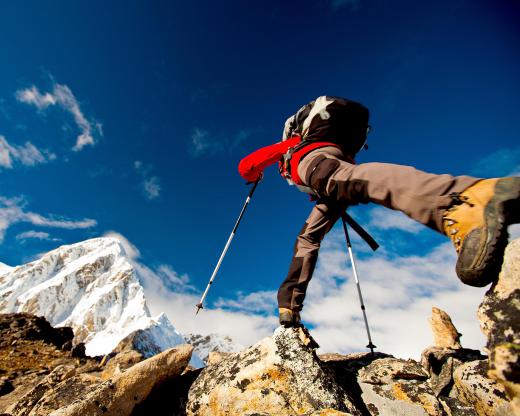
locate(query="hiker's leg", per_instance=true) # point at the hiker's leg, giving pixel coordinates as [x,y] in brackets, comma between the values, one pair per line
[321,219]
[422,196]
[473,212]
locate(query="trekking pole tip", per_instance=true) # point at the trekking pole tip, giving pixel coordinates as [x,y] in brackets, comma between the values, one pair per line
[199,307]
[371,346]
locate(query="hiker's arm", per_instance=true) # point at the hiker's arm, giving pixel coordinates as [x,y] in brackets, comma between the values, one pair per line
[251,166]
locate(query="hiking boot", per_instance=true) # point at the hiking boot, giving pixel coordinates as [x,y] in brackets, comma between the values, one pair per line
[289,317]
[477,224]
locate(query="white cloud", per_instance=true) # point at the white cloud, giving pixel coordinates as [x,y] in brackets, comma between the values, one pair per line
[36,235]
[150,184]
[33,96]
[131,251]
[502,162]
[12,211]
[514,231]
[398,292]
[204,143]
[167,291]
[63,97]
[201,143]
[255,302]
[385,219]
[152,188]
[27,155]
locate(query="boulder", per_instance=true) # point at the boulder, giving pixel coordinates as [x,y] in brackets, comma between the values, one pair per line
[279,375]
[440,363]
[499,315]
[392,386]
[26,326]
[445,334]
[25,405]
[118,396]
[215,357]
[120,362]
[473,388]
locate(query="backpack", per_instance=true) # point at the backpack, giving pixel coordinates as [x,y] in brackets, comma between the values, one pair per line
[333,119]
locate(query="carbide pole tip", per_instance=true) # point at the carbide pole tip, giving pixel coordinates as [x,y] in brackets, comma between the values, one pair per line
[199,307]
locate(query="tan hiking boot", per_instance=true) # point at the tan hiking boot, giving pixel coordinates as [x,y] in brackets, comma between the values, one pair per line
[477,224]
[289,317]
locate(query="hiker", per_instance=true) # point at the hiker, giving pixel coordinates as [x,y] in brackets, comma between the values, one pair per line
[317,155]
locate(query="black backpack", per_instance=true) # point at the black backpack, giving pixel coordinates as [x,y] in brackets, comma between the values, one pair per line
[333,119]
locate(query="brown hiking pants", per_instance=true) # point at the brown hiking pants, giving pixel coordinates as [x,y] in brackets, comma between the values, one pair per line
[421,196]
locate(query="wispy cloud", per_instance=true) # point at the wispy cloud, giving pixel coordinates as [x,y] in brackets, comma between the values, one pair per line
[262,302]
[174,294]
[503,162]
[150,185]
[27,154]
[399,292]
[386,219]
[63,97]
[202,142]
[35,235]
[12,211]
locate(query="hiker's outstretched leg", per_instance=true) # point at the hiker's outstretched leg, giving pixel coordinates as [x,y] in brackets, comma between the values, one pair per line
[485,207]
[292,291]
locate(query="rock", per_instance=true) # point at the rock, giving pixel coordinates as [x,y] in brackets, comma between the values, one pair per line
[118,396]
[31,327]
[445,334]
[140,341]
[499,315]
[25,404]
[391,386]
[440,363]
[279,375]
[120,363]
[387,370]
[345,369]
[172,394]
[78,351]
[453,407]
[215,357]
[6,386]
[64,393]
[473,388]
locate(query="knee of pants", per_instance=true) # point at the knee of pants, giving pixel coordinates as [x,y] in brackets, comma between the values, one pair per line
[319,178]
[306,245]
[353,191]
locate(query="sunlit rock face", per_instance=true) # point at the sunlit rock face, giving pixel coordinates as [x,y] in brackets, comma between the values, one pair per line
[499,315]
[279,375]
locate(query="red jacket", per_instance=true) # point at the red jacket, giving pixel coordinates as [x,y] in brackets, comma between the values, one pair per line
[251,166]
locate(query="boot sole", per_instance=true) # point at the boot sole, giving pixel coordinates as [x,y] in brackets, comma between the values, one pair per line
[482,253]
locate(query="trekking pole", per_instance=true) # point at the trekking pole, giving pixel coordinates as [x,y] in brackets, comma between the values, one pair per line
[346,218]
[199,305]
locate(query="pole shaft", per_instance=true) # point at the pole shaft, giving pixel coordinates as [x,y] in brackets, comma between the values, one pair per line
[217,267]
[349,248]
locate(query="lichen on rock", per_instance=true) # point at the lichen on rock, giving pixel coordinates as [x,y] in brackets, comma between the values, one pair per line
[279,375]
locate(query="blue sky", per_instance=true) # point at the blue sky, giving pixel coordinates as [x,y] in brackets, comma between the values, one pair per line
[131,117]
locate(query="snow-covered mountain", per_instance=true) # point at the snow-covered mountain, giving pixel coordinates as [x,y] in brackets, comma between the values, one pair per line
[204,344]
[92,287]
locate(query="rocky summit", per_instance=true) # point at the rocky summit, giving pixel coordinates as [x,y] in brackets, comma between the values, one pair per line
[44,371]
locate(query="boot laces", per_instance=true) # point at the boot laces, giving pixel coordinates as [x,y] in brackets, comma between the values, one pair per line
[457,199]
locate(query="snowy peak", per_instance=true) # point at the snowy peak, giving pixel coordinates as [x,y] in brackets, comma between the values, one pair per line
[204,344]
[92,287]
